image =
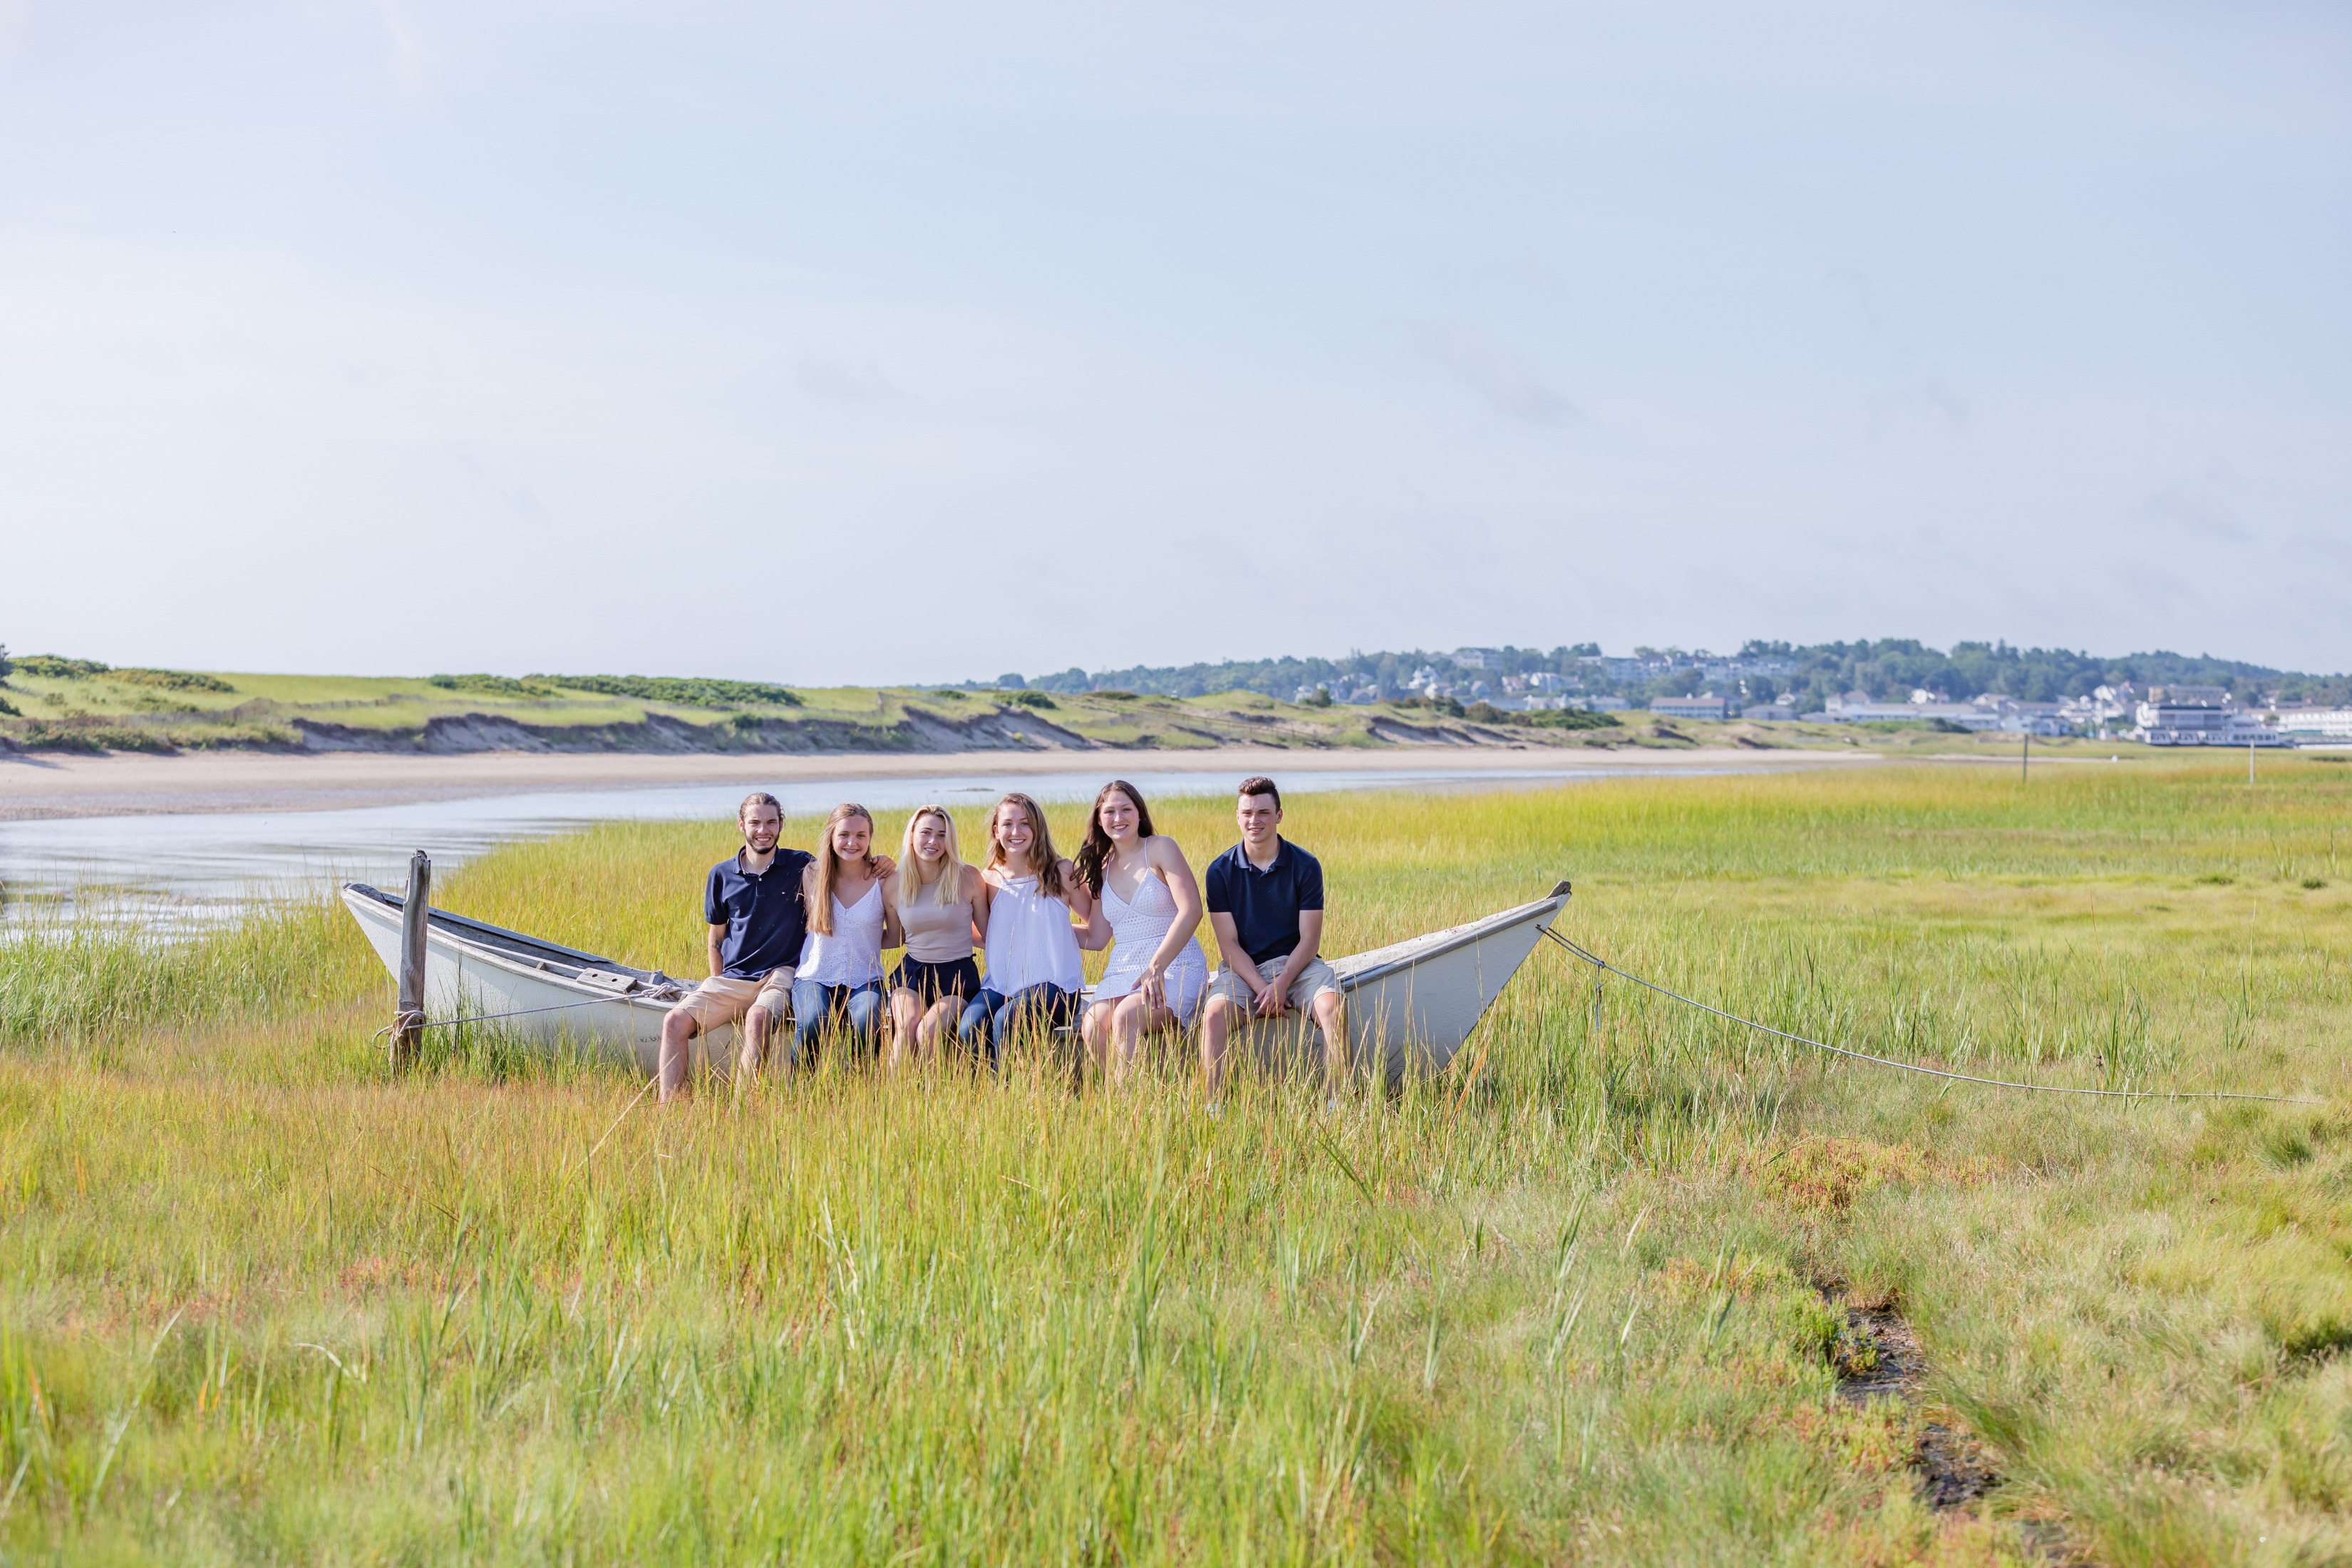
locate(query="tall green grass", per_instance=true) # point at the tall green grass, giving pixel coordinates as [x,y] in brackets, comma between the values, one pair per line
[261,1298]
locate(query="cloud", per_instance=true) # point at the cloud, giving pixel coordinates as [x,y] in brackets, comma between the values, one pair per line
[1928,401]
[2199,506]
[1854,289]
[1509,384]
[823,377]
[511,495]
[407,64]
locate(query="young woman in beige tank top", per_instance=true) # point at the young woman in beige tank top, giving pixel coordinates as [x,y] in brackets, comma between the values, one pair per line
[943,910]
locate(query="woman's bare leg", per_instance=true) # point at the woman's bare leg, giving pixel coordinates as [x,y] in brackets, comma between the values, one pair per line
[905,1018]
[1136,1018]
[938,1023]
[1099,1029]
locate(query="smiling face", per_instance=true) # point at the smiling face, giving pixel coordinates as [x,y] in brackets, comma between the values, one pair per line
[1014,833]
[852,836]
[763,826]
[1260,819]
[930,837]
[1118,818]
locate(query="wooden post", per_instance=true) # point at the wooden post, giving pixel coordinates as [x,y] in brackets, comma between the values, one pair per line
[2024,752]
[408,1023]
[2250,759]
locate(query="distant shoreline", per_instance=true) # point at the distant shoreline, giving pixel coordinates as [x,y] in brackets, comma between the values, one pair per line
[50,786]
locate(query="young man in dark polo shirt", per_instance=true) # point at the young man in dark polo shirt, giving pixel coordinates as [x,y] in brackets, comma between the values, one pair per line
[752,903]
[1265,904]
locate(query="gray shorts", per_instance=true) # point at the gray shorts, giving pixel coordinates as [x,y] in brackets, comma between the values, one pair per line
[1299,991]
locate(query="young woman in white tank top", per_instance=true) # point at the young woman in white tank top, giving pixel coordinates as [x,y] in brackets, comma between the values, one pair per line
[942,907]
[1033,970]
[851,919]
[1149,908]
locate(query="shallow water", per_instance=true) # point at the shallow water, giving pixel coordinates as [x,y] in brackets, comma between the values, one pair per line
[181,872]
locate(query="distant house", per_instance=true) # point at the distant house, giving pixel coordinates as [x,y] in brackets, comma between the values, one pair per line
[1770,712]
[1705,705]
[1478,657]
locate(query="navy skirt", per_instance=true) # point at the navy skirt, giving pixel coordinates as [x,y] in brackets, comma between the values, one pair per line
[931,981]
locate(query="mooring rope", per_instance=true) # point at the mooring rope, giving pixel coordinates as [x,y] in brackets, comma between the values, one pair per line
[1602,963]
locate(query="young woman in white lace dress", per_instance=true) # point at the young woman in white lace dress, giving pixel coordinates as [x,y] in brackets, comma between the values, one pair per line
[1147,905]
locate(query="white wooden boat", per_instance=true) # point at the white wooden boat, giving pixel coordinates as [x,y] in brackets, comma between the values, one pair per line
[557,996]
[1409,1006]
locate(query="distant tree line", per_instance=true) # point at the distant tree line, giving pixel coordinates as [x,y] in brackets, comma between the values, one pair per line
[1889,669]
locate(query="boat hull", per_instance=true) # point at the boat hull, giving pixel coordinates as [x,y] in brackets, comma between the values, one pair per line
[1409,1006]
[1412,1006]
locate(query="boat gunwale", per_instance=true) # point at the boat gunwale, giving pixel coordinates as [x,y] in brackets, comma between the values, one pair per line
[484,953]
[1442,943]
[1445,943]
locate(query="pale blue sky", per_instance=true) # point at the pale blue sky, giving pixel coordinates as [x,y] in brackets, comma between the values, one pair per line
[891,342]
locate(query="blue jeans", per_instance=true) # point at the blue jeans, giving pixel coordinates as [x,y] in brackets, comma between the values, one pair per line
[854,1010]
[995,1018]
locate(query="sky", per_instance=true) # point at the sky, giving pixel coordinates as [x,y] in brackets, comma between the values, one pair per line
[888,342]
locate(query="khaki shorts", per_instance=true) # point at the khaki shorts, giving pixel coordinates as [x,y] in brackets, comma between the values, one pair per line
[722,1000]
[1300,993]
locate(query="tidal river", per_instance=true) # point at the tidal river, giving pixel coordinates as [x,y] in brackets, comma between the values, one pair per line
[174,872]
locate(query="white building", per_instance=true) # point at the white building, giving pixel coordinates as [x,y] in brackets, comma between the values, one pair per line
[1856,708]
[2200,716]
[1705,705]
[2317,723]
[1478,657]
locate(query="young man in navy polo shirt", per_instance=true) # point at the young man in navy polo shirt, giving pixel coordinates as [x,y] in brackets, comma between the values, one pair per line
[1265,904]
[752,904]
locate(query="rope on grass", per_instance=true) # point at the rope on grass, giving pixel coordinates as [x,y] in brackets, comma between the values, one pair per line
[1599,963]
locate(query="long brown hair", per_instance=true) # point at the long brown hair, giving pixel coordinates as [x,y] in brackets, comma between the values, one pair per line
[828,865]
[1095,854]
[1041,853]
[950,887]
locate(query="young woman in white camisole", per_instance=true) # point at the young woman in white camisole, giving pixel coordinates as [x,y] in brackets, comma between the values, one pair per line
[851,896]
[942,907]
[1035,896]
[1149,908]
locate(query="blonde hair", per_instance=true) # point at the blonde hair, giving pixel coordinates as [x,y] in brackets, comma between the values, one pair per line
[828,865]
[1043,856]
[910,864]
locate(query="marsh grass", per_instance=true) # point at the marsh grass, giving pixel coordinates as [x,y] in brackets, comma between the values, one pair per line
[259,1298]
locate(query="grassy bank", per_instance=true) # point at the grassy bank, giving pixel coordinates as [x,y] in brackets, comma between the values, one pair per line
[70,705]
[259,1299]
